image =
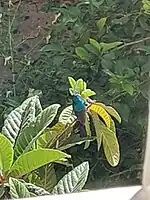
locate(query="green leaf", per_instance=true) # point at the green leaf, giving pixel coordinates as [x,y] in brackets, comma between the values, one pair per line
[47,180]
[73,181]
[88,93]
[18,189]
[80,86]
[53,48]
[82,53]
[38,191]
[110,145]
[113,112]
[108,46]
[6,154]
[101,23]
[66,115]
[146,6]
[19,118]
[96,3]
[98,131]
[95,44]
[35,159]
[92,49]
[33,131]
[128,88]
[75,140]
[52,134]
[88,131]
[72,83]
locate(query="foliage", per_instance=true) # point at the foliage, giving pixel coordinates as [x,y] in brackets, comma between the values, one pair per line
[107,44]
[73,181]
[105,132]
[12,166]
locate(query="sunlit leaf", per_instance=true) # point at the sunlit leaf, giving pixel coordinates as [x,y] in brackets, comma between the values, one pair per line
[34,129]
[18,189]
[98,131]
[108,46]
[80,85]
[66,115]
[19,118]
[95,44]
[35,159]
[101,112]
[110,145]
[72,83]
[111,111]
[73,181]
[88,93]
[6,154]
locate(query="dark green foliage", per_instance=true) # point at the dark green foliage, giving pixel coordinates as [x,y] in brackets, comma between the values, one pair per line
[119,76]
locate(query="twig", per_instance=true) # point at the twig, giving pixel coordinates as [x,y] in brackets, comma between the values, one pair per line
[11,45]
[34,47]
[133,43]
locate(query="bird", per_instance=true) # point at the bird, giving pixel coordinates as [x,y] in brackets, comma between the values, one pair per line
[79,108]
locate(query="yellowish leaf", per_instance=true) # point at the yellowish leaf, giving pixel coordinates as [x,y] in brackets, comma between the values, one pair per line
[111,111]
[97,126]
[101,112]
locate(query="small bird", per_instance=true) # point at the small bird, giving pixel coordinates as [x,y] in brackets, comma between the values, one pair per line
[79,108]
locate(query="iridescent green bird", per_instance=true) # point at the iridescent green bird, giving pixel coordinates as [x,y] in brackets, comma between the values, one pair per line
[79,108]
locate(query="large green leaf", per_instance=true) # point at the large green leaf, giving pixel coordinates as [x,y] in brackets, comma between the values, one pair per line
[18,189]
[73,181]
[29,135]
[34,159]
[19,118]
[108,46]
[38,191]
[66,115]
[110,145]
[75,140]
[6,153]
[97,126]
[112,112]
[48,177]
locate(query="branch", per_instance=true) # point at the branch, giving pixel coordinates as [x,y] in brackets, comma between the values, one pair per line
[133,43]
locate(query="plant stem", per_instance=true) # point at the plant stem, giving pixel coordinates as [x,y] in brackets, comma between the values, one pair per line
[11,45]
[133,43]
[12,57]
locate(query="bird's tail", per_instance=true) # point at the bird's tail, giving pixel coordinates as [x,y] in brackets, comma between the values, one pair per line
[82,130]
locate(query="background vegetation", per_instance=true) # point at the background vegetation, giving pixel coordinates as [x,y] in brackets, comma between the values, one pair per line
[105,42]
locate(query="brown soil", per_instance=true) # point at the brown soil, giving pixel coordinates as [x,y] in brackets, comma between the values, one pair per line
[31,31]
